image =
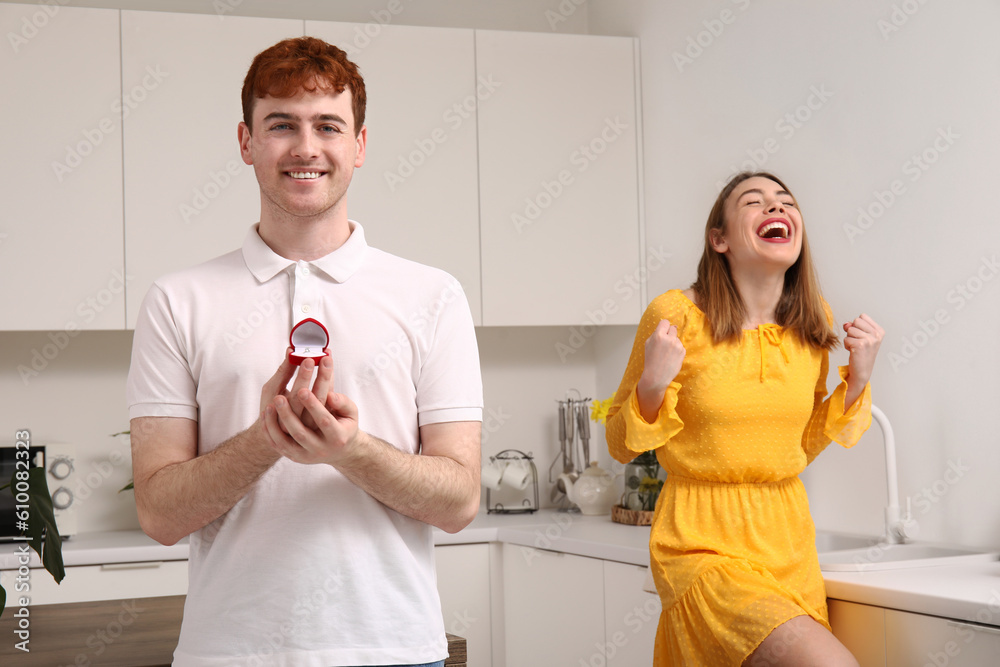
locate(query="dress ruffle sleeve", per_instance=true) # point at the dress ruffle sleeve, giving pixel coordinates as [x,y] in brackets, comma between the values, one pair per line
[830,421]
[626,432]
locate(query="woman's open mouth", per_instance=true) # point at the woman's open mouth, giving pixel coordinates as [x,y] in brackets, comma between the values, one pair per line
[775,230]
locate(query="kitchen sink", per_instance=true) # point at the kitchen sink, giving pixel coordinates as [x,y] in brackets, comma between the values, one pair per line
[899,556]
[828,541]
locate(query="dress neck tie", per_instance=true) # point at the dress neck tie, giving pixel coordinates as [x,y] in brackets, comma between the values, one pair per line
[771,334]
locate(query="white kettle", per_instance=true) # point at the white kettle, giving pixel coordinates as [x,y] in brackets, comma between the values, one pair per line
[593,492]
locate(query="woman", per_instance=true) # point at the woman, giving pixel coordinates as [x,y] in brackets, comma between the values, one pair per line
[726,383]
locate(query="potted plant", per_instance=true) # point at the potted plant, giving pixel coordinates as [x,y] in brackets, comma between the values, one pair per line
[38,521]
[643,479]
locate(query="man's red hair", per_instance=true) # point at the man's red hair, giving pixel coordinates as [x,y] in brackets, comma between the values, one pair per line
[302,64]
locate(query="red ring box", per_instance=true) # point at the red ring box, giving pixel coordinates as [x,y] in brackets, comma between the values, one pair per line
[309,340]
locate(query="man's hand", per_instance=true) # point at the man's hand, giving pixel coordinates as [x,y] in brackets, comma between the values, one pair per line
[276,386]
[320,432]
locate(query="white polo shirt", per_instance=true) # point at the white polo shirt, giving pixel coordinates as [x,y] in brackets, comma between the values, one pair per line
[308,569]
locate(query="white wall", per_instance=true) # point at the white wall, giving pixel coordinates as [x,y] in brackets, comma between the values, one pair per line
[881,97]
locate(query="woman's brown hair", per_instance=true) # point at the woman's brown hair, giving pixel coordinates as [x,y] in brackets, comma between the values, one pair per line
[801,307]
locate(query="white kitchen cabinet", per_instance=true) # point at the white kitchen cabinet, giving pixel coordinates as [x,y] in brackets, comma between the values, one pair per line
[631,616]
[553,607]
[90,583]
[417,193]
[188,195]
[559,179]
[463,572]
[861,628]
[915,639]
[61,229]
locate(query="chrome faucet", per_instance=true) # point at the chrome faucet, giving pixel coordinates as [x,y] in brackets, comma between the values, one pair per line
[898,529]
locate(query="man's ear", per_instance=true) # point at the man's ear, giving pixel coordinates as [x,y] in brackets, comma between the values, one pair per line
[243,136]
[362,139]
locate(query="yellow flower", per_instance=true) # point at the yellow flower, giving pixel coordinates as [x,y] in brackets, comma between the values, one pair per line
[599,409]
[650,484]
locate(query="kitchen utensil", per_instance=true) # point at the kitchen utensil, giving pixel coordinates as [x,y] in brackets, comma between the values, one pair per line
[516,494]
[583,426]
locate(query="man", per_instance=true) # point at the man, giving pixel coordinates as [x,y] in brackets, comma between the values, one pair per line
[308,500]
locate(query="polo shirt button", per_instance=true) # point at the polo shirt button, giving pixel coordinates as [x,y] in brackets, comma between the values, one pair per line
[305,308]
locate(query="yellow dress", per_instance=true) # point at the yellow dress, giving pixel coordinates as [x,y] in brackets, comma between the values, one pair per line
[732,549]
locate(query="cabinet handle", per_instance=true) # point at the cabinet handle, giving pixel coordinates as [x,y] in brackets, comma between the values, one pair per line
[979,628]
[150,564]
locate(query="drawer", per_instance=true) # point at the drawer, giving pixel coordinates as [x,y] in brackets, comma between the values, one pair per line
[88,583]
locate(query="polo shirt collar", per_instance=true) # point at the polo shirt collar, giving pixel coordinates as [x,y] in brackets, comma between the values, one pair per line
[340,264]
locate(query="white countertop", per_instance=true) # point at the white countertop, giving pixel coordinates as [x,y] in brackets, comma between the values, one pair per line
[967,592]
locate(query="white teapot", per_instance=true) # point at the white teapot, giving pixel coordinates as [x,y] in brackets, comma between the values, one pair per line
[593,492]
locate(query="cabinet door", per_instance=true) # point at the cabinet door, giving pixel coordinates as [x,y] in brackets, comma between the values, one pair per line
[916,639]
[188,195]
[417,193]
[89,583]
[631,616]
[463,572]
[861,628]
[61,227]
[553,607]
[558,179]
[113,633]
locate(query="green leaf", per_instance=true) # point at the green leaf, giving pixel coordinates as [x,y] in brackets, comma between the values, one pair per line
[42,530]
